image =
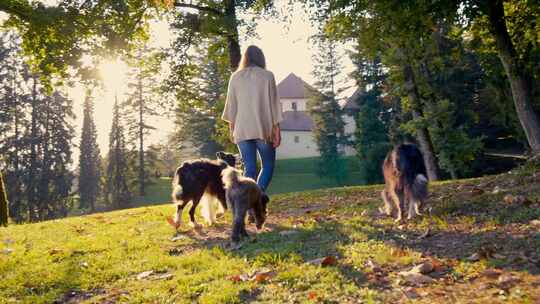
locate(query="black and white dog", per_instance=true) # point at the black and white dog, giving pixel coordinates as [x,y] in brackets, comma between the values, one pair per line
[406,184]
[200,181]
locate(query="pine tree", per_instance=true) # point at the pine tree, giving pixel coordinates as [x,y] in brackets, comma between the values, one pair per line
[371,137]
[4,211]
[89,160]
[327,114]
[117,190]
[140,105]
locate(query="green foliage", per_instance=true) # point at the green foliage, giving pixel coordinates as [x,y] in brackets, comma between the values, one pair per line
[89,159]
[327,115]
[371,139]
[117,191]
[141,104]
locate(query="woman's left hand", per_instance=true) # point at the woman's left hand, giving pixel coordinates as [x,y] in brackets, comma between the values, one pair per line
[276,141]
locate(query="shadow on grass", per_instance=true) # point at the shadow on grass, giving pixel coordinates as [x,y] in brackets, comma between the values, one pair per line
[280,246]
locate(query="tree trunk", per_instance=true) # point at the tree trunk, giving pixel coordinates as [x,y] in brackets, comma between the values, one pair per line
[141,140]
[232,35]
[31,188]
[517,74]
[422,134]
[4,213]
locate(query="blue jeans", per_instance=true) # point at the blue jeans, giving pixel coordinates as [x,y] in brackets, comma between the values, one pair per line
[248,151]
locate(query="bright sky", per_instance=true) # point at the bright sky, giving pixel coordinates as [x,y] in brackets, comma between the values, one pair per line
[286,48]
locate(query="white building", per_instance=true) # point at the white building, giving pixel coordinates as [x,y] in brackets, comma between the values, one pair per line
[297,127]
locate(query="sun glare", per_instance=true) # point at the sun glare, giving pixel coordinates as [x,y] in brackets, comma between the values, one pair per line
[114,76]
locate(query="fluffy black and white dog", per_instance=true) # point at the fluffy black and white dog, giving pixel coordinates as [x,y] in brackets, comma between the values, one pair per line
[200,181]
[243,194]
[405,182]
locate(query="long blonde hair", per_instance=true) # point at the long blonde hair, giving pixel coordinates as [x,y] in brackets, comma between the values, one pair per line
[253,56]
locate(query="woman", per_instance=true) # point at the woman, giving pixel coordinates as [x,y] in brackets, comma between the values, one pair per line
[253,111]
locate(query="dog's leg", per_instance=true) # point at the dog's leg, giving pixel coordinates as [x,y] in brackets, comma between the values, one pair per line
[239,224]
[207,209]
[178,215]
[388,205]
[398,202]
[412,207]
[417,206]
[192,221]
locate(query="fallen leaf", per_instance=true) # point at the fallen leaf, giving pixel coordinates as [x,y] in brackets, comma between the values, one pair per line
[477,191]
[312,295]
[171,222]
[326,261]
[55,251]
[410,293]
[84,265]
[372,266]
[491,273]
[508,280]
[262,277]
[178,237]
[415,278]
[423,268]
[145,274]
[164,276]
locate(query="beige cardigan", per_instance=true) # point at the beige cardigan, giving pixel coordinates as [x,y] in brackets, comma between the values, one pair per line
[252,104]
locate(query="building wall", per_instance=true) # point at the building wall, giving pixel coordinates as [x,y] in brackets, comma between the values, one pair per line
[350,128]
[290,148]
[287,104]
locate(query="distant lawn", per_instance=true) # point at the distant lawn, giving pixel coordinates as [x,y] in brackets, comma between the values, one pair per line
[291,175]
[294,175]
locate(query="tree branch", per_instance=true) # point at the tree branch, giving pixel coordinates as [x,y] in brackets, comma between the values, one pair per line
[199,7]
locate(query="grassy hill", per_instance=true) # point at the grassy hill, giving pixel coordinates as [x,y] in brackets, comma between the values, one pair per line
[325,246]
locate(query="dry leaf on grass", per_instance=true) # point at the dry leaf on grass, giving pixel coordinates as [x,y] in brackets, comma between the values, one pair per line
[326,261]
[477,191]
[491,273]
[55,251]
[259,276]
[416,278]
[423,268]
[145,274]
[373,267]
[171,222]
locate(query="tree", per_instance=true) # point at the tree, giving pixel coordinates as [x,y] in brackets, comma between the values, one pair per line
[328,129]
[371,137]
[89,159]
[518,76]
[4,211]
[141,104]
[117,190]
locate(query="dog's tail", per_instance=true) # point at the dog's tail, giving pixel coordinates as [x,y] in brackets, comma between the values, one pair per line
[207,208]
[230,177]
[419,187]
[177,188]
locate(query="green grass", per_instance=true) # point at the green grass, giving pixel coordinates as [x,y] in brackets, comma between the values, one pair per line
[290,175]
[97,258]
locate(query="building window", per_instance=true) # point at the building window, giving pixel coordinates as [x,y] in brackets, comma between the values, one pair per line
[294,107]
[297,139]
